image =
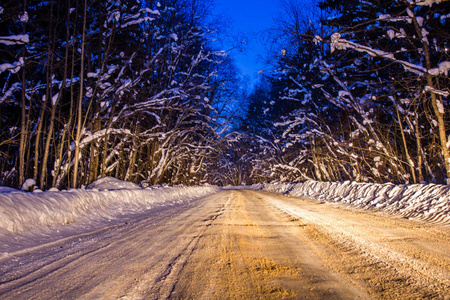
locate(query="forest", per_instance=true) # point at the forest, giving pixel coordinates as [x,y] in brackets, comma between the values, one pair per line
[142,91]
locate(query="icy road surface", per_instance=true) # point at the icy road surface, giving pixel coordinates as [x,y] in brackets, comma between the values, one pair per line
[239,244]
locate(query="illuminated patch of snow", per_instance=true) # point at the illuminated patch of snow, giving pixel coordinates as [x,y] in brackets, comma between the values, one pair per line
[55,98]
[391,33]
[28,184]
[317,39]
[440,106]
[443,68]
[24,18]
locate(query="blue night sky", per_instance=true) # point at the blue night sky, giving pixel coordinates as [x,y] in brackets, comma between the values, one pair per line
[249,17]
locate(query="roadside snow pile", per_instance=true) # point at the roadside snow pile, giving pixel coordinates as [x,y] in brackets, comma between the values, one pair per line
[111,183]
[429,202]
[21,211]
[28,185]
[5,189]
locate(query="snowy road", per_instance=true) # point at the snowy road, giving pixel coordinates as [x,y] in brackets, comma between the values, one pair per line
[239,244]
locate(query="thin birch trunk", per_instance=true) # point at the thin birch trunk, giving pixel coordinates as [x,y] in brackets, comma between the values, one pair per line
[23,129]
[436,103]
[405,146]
[79,104]
[48,94]
[419,146]
[54,104]
[94,156]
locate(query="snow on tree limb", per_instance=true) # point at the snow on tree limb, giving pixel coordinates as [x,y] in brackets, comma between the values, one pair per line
[13,68]
[443,68]
[424,2]
[9,92]
[342,44]
[437,92]
[19,39]
[89,136]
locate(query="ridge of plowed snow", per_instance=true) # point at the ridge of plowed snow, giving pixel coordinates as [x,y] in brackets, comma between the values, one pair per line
[21,211]
[430,202]
[111,183]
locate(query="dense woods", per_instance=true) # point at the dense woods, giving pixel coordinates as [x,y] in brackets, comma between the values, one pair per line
[359,91]
[128,89]
[139,90]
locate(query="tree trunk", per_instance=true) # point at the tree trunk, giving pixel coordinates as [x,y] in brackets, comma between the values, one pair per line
[80,103]
[133,155]
[419,148]
[94,156]
[54,104]
[47,149]
[23,129]
[405,147]
[60,147]
[437,104]
[48,94]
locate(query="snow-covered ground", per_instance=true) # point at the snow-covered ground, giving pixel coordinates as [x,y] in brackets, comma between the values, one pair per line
[105,202]
[428,202]
[29,219]
[178,252]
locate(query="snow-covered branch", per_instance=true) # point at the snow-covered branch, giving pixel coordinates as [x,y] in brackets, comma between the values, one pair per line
[342,44]
[19,39]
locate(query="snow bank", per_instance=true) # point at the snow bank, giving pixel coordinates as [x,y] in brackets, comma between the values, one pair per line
[5,189]
[428,202]
[110,183]
[20,211]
